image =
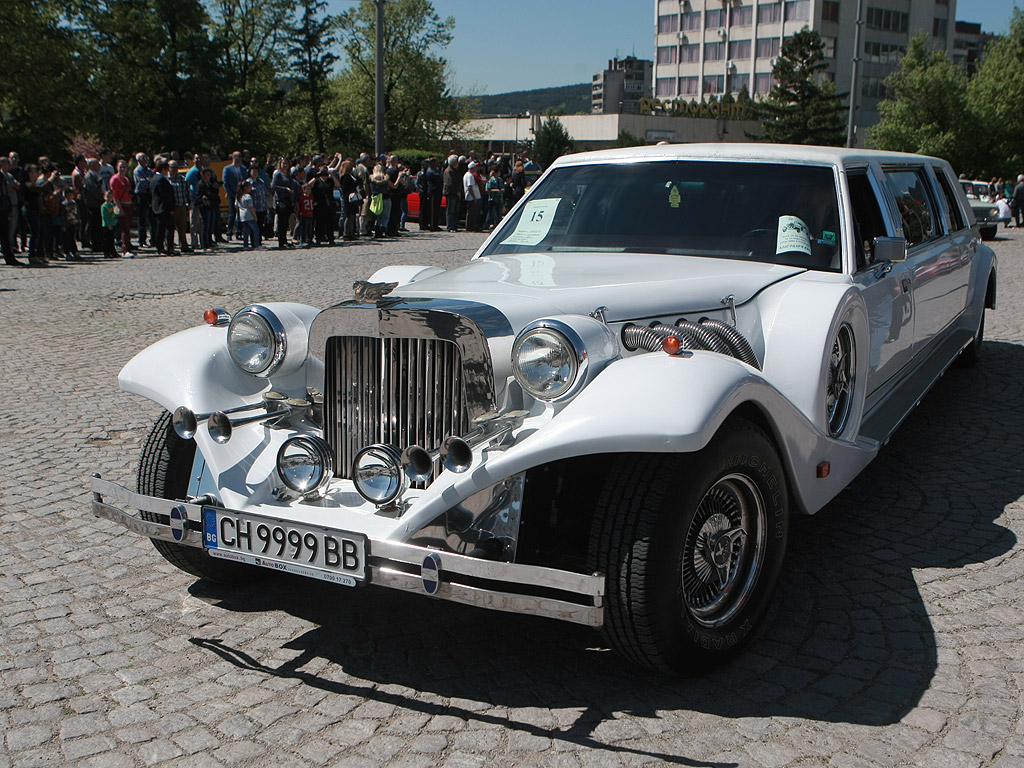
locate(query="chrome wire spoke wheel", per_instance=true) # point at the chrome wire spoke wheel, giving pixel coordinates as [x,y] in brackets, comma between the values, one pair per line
[842,366]
[723,550]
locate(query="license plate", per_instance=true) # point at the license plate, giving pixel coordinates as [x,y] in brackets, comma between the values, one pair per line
[319,553]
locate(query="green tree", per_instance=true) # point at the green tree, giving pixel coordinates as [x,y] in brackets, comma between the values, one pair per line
[420,108]
[551,142]
[925,110]
[627,139]
[995,96]
[311,41]
[801,108]
[43,96]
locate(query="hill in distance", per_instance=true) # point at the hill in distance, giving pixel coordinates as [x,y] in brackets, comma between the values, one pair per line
[567,99]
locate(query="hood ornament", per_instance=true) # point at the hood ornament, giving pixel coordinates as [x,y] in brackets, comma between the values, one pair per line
[372,292]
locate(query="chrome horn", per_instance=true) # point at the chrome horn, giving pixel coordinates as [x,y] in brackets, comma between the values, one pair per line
[276,405]
[456,453]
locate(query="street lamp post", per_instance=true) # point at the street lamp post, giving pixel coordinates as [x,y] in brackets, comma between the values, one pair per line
[379,119]
[853,75]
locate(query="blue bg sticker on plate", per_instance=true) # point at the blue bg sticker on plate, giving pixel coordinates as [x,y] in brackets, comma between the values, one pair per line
[209,529]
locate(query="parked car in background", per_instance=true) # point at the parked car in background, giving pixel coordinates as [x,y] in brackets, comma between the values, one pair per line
[607,416]
[986,213]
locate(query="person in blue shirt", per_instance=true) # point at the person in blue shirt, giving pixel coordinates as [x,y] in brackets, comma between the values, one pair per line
[233,175]
[143,177]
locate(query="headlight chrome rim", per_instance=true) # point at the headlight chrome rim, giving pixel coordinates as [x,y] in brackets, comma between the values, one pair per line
[275,352]
[389,467]
[319,455]
[576,357]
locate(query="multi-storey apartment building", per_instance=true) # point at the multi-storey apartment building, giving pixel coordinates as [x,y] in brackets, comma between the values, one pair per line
[620,87]
[711,47]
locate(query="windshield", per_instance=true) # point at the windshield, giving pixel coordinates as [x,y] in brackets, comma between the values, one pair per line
[781,214]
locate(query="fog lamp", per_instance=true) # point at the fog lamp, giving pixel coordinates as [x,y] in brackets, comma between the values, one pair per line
[377,474]
[305,464]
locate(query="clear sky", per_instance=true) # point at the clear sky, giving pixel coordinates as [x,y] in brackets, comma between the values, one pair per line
[526,44]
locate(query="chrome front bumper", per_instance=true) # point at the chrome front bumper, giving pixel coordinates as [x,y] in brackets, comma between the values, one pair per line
[512,587]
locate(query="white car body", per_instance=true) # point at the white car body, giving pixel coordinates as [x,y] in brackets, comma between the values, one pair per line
[907,319]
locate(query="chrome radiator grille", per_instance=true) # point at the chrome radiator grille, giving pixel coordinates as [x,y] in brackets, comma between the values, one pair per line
[397,391]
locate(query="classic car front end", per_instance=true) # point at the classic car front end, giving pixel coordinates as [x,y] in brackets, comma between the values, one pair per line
[605,417]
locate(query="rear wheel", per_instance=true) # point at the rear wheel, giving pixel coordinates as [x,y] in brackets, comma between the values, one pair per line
[971,354]
[164,469]
[692,547]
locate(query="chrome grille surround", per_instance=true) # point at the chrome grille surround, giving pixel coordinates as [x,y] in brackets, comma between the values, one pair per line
[402,372]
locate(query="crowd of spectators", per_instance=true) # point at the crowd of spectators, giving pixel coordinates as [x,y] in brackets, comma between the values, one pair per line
[116,206]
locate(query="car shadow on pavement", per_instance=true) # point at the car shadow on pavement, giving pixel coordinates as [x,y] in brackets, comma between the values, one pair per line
[851,640]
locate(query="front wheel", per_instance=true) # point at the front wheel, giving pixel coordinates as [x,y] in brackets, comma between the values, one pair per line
[692,548]
[164,469]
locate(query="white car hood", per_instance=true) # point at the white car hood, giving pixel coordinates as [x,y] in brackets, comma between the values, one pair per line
[630,285]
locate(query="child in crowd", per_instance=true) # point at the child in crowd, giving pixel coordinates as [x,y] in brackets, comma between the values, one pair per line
[71,222]
[247,217]
[306,215]
[109,216]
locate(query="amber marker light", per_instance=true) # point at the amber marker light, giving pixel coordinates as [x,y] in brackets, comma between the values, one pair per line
[672,345]
[217,317]
[823,470]
[210,316]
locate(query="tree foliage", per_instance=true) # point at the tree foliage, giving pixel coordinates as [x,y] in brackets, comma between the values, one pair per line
[551,142]
[419,106]
[310,50]
[995,96]
[801,108]
[926,110]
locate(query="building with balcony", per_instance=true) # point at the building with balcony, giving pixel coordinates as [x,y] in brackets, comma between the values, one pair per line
[709,48]
[620,87]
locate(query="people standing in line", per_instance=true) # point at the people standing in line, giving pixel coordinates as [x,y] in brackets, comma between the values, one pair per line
[93,190]
[452,191]
[284,200]
[8,213]
[163,208]
[143,176]
[247,216]
[108,220]
[259,198]
[121,187]
[1017,201]
[233,175]
[208,201]
[195,219]
[182,206]
[495,197]
[471,191]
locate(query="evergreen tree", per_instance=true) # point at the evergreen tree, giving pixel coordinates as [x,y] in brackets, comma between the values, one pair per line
[551,142]
[925,110]
[801,108]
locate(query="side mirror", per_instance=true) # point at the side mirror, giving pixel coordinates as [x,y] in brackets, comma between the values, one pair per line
[889,249]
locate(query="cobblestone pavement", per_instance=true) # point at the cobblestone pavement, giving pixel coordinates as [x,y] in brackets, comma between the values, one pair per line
[898,637]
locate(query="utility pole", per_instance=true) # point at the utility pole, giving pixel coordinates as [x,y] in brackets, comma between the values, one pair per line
[379,120]
[853,75]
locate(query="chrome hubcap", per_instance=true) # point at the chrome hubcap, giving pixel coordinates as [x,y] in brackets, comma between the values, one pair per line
[723,550]
[840,380]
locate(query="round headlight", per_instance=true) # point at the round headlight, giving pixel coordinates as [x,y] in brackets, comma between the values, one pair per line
[305,464]
[545,363]
[377,474]
[256,340]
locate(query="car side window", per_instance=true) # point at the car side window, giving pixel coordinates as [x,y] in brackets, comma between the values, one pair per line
[868,222]
[956,215]
[910,188]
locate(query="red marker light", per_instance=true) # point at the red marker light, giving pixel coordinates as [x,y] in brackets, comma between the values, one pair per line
[824,469]
[211,316]
[672,345]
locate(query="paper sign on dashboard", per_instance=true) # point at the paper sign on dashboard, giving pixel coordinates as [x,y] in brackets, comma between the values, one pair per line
[793,236]
[534,222]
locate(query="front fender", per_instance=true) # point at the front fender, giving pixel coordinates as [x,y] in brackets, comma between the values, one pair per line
[656,403]
[193,367]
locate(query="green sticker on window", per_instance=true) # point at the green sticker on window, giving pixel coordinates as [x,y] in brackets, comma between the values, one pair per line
[674,198]
[829,238]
